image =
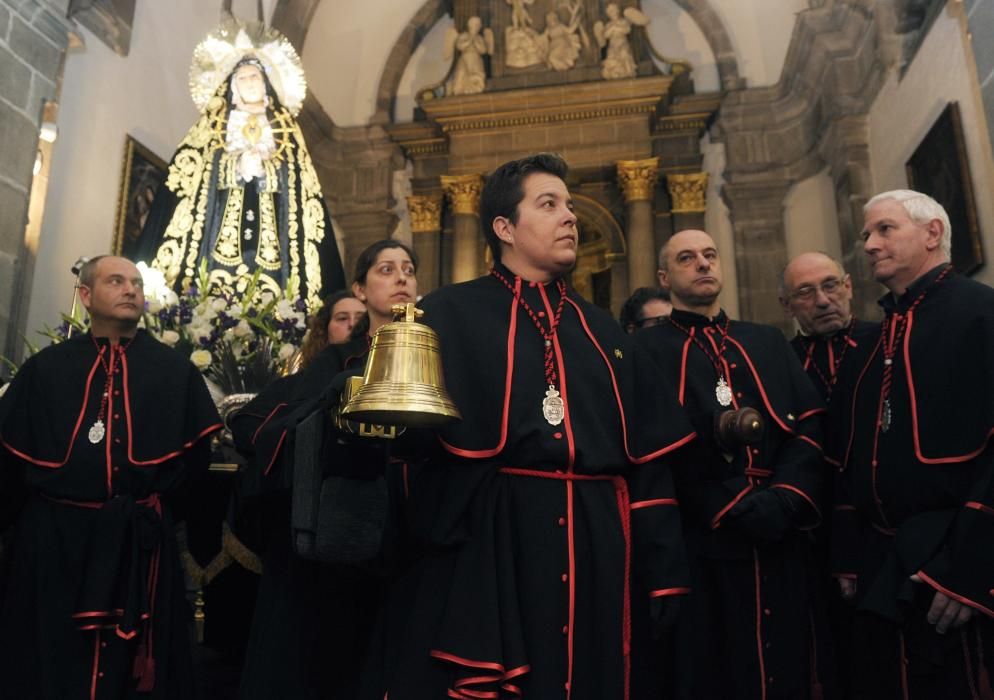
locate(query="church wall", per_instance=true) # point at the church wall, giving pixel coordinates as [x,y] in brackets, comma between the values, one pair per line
[760,31]
[105,97]
[904,111]
[718,223]
[811,221]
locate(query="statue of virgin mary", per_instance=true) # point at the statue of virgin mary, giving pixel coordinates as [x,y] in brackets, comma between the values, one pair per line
[241,192]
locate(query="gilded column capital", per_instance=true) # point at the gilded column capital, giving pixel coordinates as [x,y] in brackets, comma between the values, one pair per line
[638,178]
[687,191]
[463,192]
[426,212]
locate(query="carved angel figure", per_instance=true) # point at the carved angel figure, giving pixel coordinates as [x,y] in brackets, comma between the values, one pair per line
[469,76]
[520,17]
[560,41]
[618,60]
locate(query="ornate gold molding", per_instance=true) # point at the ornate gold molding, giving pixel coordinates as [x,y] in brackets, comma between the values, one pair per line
[687,191]
[638,178]
[463,192]
[581,113]
[426,212]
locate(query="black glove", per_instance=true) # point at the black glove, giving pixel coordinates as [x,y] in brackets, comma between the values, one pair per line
[663,614]
[765,517]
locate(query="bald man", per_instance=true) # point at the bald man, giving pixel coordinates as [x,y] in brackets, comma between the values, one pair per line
[745,505]
[103,434]
[817,293]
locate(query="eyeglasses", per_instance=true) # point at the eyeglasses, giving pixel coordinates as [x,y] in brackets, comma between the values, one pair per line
[829,287]
[650,321]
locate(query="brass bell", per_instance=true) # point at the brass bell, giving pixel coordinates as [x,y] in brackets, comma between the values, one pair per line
[403,383]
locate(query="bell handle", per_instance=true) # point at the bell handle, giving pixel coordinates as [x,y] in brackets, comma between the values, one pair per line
[406,312]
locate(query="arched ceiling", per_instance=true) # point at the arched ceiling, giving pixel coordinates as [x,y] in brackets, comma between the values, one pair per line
[356,54]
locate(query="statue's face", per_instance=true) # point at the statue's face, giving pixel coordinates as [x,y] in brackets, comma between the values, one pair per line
[612,11]
[249,85]
[474,25]
[552,19]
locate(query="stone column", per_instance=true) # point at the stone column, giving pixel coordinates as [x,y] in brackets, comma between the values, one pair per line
[637,179]
[688,198]
[426,227]
[760,248]
[34,35]
[463,193]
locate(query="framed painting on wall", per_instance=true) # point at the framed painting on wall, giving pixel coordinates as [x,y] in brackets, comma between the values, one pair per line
[939,167]
[141,175]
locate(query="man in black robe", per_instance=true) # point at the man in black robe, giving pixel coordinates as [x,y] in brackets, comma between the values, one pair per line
[102,433]
[911,423]
[745,502]
[817,293]
[549,533]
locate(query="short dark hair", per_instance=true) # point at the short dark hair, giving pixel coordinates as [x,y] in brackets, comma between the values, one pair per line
[631,310]
[504,190]
[88,272]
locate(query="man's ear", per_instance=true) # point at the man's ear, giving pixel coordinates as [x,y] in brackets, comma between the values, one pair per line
[935,230]
[85,296]
[663,278]
[504,230]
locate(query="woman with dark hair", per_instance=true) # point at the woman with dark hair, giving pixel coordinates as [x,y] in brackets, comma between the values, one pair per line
[312,620]
[333,323]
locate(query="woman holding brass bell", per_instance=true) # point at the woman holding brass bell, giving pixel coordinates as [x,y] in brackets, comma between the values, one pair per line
[312,619]
[544,524]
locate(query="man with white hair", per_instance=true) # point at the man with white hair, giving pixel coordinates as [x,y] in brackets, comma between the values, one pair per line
[913,417]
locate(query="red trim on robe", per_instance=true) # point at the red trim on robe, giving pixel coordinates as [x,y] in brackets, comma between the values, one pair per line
[654,502]
[914,410]
[508,380]
[662,592]
[617,395]
[955,596]
[759,627]
[262,425]
[987,510]
[759,384]
[806,497]
[276,453]
[716,521]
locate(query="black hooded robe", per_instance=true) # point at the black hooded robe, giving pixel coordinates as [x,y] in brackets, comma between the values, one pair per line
[542,544]
[750,607]
[95,605]
[918,498]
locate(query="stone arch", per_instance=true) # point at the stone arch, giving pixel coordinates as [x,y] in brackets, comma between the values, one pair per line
[589,210]
[717,37]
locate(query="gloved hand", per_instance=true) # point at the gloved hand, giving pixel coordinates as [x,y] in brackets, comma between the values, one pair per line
[663,614]
[766,516]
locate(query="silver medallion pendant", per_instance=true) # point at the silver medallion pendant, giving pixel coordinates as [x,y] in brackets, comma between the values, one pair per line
[723,392]
[552,407]
[97,431]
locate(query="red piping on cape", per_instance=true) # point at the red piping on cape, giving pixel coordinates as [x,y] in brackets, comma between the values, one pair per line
[662,592]
[75,430]
[716,521]
[508,378]
[794,489]
[262,425]
[617,395]
[759,384]
[914,410]
[812,412]
[987,510]
[127,414]
[813,443]
[965,601]
[276,453]
[654,502]
[683,367]
[844,460]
